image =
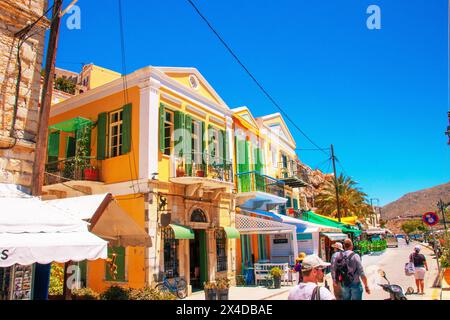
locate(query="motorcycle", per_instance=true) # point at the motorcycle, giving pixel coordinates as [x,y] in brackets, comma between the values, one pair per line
[395,291]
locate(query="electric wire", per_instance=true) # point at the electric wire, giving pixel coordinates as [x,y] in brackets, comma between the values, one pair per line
[266,93]
[125,91]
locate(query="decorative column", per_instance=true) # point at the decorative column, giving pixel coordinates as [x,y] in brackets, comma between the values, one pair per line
[212,259]
[148,128]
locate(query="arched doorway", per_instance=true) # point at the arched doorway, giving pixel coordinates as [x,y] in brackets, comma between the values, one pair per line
[198,256]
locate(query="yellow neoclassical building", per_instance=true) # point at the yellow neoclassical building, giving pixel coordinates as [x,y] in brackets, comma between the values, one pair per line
[162,143]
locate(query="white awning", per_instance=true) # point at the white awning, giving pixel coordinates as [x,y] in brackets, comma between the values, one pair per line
[252,225]
[335,236]
[31,231]
[107,219]
[29,248]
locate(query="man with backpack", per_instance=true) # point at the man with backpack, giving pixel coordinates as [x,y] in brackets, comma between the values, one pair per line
[312,270]
[348,271]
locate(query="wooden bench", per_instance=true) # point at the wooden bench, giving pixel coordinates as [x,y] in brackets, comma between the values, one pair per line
[262,272]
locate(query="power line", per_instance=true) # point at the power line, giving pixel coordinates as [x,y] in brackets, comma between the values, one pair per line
[253,77]
[125,91]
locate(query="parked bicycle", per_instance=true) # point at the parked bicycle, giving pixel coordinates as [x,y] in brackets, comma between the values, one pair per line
[177,286]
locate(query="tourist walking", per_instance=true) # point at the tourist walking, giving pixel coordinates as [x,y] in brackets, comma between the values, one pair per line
[337,287]
[298,266]
[349,272]
[420,266]
[313,273]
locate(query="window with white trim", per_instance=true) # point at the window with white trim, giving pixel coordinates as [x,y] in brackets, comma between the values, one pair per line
[115,133]
[168,130]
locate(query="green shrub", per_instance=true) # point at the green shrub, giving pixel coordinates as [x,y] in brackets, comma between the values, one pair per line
[85,294]
[276,272]
[150,294]
[116,293]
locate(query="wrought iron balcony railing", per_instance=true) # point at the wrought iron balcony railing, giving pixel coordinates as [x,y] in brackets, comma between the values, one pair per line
[215,168]
[254,181]
[75,168]
[292,173]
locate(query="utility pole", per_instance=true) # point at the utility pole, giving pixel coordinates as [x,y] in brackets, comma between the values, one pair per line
[46,101]
[333,158]
[442,206]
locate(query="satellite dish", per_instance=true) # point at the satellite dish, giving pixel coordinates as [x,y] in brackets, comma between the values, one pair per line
[165,219]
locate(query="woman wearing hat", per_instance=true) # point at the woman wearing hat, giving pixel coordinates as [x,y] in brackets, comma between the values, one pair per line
[420,264]
[298,265]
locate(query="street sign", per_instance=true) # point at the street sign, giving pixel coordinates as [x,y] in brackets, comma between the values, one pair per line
[430,218]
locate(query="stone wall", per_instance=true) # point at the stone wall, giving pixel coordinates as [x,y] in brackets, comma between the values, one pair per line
[17,144]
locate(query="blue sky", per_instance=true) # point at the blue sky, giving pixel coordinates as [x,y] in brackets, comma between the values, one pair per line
[380,96]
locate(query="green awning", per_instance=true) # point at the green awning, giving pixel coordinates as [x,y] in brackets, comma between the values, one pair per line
[232,233]
[314,218]
[71,125]
[182,232]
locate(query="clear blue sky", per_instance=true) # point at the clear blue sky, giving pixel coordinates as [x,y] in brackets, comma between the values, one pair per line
[380,96]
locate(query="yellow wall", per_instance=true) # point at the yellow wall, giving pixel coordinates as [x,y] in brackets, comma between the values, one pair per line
[117,169]
[135,274]
[100,76]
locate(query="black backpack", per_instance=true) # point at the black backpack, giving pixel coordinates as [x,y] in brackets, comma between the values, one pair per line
[342,273]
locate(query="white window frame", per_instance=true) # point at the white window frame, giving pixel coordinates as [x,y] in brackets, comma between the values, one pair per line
[111,125]
[172,128]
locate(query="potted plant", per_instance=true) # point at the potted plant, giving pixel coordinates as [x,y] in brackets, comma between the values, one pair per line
[91,174]
[276,273]
[200,173]
[84,294]
[210,290]
[180,170]
[150,294]
[223,288]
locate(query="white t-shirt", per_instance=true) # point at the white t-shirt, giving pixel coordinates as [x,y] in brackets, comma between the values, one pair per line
[304,291]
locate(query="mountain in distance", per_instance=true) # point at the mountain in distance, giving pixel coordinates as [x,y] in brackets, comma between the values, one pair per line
[415,204]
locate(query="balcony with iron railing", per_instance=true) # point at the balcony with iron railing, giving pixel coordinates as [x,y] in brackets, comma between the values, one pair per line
[292,174]
[211,169]
[74,168]
[253,181]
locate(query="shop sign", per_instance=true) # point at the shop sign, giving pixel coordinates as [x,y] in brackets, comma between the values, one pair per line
[4,254]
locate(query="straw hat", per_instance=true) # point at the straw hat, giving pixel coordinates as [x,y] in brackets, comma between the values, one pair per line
[301,256]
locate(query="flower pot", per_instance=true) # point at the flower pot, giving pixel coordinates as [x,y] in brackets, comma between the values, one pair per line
[447,275]
[180,172]
[222,294]
[200,173]
[91,174]
[210,294]
[277,282]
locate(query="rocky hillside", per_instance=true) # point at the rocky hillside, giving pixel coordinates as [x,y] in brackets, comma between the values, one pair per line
[417,203]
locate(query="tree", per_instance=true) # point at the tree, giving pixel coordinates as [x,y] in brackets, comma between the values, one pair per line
[411,226]
[65,85]
[351,199]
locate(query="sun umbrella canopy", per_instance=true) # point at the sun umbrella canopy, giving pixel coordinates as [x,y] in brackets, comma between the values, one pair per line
[107,219]
[32,231]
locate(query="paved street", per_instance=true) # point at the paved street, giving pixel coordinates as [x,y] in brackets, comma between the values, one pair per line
[392,261]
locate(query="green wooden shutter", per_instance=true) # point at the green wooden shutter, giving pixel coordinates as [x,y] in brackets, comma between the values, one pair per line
[101,135]
[222,144]
[289,202]
[179,133]
[203,133]
[53,145]
[188,147]
[120,262]
[126,129]
[295,204]
[161,128]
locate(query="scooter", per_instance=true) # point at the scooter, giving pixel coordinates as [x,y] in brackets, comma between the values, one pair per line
[395,291]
